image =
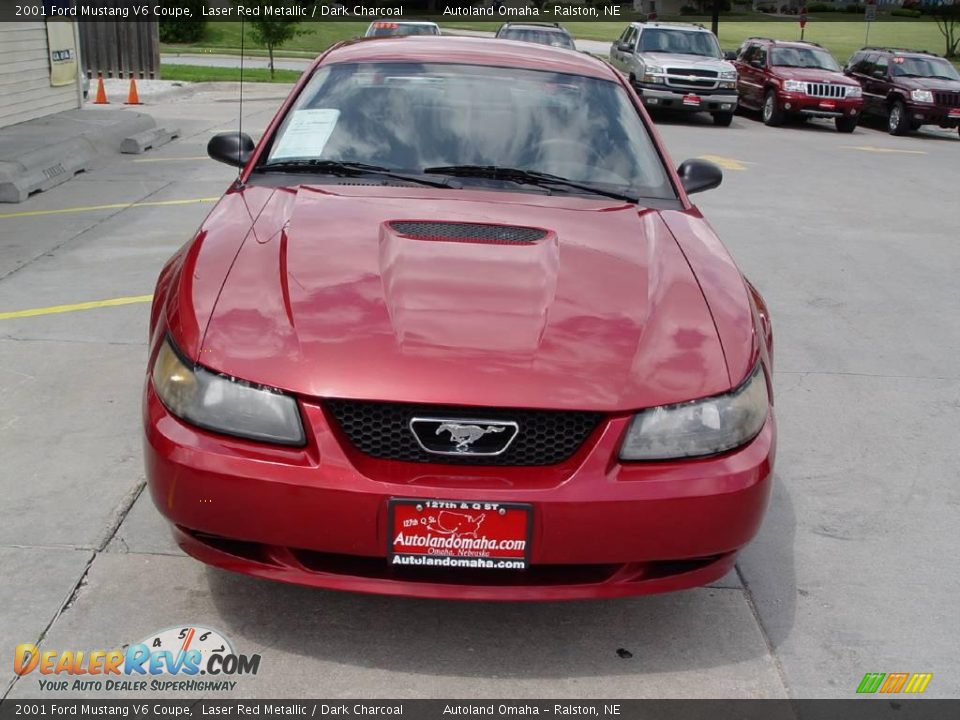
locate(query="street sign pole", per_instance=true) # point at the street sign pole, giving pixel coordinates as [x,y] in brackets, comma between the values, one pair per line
[869,15]
[803,20]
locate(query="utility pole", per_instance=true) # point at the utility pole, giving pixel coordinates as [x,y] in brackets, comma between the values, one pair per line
[715,20]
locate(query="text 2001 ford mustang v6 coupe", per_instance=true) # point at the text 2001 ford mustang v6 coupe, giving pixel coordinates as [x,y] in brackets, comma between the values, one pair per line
[456,331]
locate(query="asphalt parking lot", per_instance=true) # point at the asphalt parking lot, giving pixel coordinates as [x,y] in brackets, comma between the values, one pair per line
[851,238]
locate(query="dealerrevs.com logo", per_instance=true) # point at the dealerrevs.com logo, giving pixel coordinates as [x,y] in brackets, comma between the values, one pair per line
[170,660]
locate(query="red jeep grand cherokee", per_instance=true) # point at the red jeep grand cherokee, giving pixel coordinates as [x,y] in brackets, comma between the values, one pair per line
[798,79]
[457,331]
[909,88]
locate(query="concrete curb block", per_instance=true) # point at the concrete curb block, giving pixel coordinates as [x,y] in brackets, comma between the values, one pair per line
[44,168]
[41,154]
[141,142]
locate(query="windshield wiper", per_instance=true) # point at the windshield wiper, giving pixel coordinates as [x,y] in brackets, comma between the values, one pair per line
[341,168]
[523,177]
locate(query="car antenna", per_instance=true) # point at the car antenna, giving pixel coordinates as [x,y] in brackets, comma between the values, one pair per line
[240,119]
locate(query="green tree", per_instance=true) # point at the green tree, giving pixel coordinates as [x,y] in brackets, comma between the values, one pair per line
[269,32]
[946,13]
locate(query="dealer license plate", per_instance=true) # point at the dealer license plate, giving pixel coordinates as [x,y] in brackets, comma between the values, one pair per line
[692,100]
[459,534]
[828,104]
[955,113]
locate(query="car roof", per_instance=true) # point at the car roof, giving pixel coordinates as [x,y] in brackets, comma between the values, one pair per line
[535,26]
[898,51]
[403,22]
[784,43]
[688,27]
[469,51]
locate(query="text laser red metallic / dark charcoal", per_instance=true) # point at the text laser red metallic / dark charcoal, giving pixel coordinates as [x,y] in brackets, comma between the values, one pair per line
[457,331]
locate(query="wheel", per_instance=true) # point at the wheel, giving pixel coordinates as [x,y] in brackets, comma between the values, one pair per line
[723,119]
[846,124]
[897,122]
[772,114]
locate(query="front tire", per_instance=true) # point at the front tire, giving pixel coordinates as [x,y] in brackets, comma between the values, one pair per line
[723,119]
[772,114]
[897,121]
[846,124]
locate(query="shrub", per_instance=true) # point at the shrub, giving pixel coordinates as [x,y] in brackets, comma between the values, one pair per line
[184,31]
[906,12]
[689,10]
[820,8]
[854,8]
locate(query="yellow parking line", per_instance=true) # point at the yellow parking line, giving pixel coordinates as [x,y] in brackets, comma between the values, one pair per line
[172,159]
[54,309]
[871,148]
[115,206]
[725,162]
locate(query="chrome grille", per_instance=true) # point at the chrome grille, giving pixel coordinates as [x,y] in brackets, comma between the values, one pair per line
[826,90]
[692,78]
[947,98]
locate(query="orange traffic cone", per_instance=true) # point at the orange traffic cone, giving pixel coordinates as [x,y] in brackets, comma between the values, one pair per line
[132,97]
[101,98]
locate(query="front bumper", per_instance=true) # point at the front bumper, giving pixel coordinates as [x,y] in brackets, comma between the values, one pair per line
[318,515]
[673,99]
[803,104]
[926,114]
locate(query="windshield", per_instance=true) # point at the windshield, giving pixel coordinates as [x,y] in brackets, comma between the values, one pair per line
[803,58]
[541,37]
[923,67]
[385,29]
[681,42]
[408,117]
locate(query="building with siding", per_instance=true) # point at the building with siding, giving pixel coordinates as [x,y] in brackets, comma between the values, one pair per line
[36,79]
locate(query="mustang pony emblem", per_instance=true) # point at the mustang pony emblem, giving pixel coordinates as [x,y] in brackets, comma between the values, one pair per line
[466,435]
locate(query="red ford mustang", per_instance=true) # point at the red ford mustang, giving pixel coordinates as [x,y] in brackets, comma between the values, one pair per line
[456,331]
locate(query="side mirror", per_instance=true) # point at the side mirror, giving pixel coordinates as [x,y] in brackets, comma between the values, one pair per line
[756,63]
[730,55]
[699,175]
[231,148]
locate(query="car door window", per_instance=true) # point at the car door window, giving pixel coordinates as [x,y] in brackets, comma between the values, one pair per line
[880,68]
[866,67]
[631,41]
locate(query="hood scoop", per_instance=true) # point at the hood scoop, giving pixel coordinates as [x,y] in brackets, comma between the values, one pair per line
[467,232]
[485,291]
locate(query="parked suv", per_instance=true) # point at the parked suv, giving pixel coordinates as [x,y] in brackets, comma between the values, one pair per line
[908,87]
[539,33]
[796,79]
[677,67]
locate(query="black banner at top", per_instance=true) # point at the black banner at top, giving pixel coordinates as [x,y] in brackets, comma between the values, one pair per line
[458,11]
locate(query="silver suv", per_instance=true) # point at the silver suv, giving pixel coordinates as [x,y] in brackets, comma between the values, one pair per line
[677,66]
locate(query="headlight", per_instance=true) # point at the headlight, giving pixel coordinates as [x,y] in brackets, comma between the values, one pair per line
[854,91]
[700,427]
[225,405]
[921,96]
[728,75]
[794,86]
[653,74]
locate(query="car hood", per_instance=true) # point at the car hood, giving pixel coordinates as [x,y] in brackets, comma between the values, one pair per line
[327,298]
[815,75]
[925,83]
[682,60]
